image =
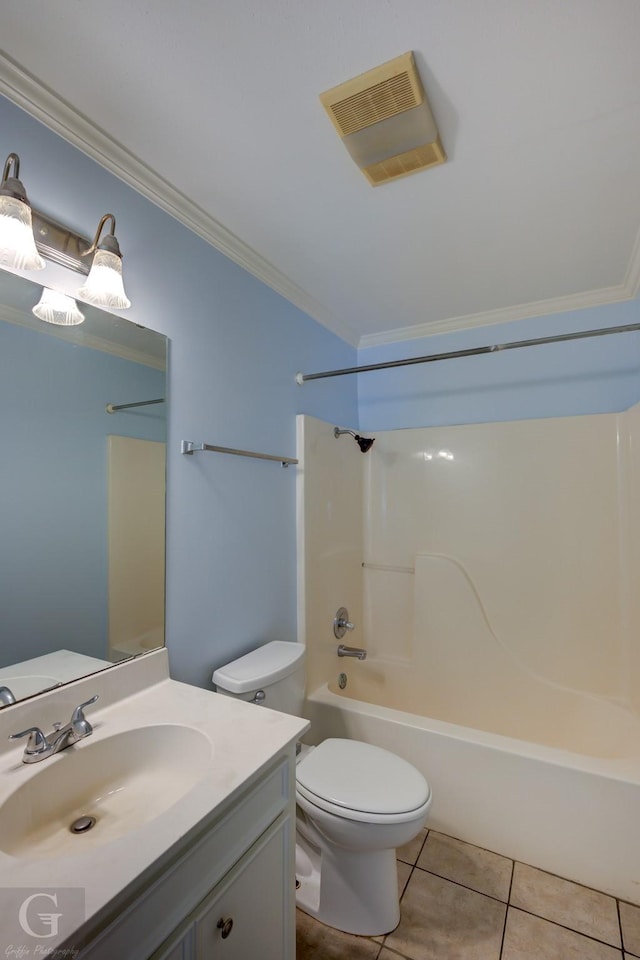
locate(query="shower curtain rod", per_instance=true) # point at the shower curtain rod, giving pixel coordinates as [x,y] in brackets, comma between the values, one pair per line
[114,407]
[471,352]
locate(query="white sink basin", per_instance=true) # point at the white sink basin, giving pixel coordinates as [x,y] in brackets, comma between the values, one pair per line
[124,781]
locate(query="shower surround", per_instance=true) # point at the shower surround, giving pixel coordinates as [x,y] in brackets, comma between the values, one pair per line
[490,572]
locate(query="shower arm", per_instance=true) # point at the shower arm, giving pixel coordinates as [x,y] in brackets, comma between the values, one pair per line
[365,443]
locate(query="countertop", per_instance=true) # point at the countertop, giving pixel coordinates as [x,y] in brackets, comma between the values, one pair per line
[243,738]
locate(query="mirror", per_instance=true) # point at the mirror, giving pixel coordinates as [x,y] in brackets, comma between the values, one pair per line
[83,492]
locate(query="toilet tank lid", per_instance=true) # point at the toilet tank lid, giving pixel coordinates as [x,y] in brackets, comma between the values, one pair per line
[260,667]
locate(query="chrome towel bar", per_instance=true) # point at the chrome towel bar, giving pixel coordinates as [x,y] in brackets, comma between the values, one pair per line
[189,447]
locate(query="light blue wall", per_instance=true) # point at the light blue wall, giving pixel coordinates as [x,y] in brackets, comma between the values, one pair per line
[53,481]
[235,348]
[598,375]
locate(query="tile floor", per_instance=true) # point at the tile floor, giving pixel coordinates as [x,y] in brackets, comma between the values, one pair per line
[459,902]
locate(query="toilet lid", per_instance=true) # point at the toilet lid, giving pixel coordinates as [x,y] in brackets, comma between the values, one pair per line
[359,776]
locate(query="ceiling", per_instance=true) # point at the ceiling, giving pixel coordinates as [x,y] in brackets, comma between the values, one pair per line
[538,104]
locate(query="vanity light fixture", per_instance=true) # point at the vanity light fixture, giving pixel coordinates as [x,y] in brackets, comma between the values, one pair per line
[104,287]
[58,308]
[27,235]
[17,244]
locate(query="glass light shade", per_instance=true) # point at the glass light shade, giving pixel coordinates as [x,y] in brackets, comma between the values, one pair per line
[58,308]
[103,287]
[17,246]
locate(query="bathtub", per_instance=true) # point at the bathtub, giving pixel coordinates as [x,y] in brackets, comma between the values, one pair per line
[571,813]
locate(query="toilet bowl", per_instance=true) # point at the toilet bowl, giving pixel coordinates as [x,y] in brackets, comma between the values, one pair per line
[355,803]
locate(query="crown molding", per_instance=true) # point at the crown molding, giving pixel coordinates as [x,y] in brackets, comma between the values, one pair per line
[628,290]
[27,92]
[58,115]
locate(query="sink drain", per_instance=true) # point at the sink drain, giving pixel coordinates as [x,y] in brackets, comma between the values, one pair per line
[82,824]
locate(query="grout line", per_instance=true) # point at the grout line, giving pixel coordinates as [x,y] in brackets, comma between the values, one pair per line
[559,876]
[406,885]
[504,931]
[504,856]
[422,846]
[395,953]
[513,872]
[506,913]
[620,923]
[523,909]
[563,926]
[465,886]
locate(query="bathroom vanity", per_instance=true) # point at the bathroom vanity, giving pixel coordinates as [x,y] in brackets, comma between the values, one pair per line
[192,852]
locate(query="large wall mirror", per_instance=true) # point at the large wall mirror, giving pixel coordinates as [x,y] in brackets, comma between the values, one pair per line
[82,486]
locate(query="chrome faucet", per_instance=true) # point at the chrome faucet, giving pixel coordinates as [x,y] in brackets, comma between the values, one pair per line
[39,746]
[358,652]
[6,697]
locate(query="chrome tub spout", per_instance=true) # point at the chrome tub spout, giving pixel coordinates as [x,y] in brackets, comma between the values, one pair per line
[358,652]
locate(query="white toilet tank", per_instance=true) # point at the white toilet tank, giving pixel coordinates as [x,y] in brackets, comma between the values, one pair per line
[276,669]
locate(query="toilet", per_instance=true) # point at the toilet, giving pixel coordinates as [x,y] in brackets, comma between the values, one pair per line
[355,803]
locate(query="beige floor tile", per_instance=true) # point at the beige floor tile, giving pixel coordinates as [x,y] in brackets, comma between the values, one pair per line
[315,941]
[409,852]
[472,866]
[531,938]
[569,904]
[443,921]
[630,921]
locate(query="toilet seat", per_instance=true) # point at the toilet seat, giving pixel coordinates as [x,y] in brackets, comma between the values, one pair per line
[358,781]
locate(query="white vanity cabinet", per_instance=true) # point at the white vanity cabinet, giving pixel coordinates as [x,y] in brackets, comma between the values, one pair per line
[229,895]
[247,914]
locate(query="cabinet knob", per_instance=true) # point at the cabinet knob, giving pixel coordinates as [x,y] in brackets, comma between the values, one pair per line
[225,927]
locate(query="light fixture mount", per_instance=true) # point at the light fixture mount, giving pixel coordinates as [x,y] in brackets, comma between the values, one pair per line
[57,243]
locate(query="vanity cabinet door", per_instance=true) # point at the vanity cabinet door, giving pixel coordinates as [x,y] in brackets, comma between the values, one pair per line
[177,947]
[250,915]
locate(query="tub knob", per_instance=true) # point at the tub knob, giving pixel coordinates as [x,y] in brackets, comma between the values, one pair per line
[341,623]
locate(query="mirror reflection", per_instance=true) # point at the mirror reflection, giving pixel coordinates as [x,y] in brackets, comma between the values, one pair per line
[83,492]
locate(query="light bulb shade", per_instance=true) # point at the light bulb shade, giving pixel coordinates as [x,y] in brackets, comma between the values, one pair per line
[17,246]
[103,287]
[58,308]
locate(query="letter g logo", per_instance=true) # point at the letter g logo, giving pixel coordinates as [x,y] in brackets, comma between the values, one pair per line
[47,920]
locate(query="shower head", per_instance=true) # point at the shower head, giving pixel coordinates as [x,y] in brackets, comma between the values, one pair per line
[365,443]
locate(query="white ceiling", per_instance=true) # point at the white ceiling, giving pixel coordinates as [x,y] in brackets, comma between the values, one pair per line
[538,105]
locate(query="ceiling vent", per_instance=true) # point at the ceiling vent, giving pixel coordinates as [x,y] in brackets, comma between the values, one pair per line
[385,122]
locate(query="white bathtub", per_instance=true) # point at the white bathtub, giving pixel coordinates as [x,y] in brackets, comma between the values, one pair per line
[572,814]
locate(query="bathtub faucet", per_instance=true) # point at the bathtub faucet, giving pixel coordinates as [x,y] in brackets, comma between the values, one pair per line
[358,652]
